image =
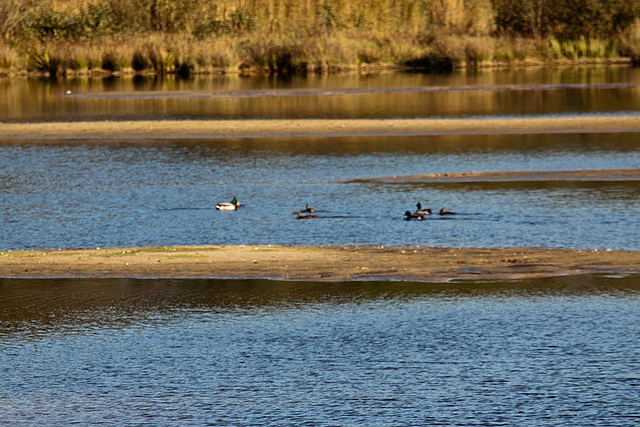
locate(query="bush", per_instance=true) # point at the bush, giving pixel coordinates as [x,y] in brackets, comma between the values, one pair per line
[45,63]
[110,61]
[478,49]
[236,23]
[140,62]
[629,41]
[276,56]
[565,19]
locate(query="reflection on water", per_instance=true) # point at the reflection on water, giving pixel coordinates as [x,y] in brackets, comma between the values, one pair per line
[482,93]
[557,351]
[71,305]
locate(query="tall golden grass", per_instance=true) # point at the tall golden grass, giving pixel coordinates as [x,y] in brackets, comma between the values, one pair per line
[58,37]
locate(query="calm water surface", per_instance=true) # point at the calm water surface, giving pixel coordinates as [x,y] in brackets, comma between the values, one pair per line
[79,194]
[194,352]
[483,93]
[154,193]
[209,352]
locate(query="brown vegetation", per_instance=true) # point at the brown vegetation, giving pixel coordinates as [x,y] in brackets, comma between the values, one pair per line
[57,37]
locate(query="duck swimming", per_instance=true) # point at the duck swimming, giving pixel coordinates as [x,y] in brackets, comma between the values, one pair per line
[421,211]
[300,216]
[309,209]
[443,211]
[228,206]
[408,216]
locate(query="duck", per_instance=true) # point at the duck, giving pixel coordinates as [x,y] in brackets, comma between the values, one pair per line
[408,216]
[421,211]
[443,211]
[300,216]
[309,209]
[228,206]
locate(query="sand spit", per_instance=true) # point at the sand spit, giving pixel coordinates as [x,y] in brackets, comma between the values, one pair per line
[316,263]
[315,127]
[516,176]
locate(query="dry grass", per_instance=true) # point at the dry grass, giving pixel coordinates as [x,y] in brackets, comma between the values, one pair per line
[9,58]
[59,37]
[630,42]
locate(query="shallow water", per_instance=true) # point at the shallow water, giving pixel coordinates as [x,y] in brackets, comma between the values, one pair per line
[192,352]
[80,194]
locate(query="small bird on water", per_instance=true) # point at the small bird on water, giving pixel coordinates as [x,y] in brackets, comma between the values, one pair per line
[228,206]
[443,211]
[422,211]
[300,216]
[408,216]
[309,209]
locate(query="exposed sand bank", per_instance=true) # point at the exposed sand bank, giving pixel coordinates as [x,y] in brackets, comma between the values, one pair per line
[315,127]
[517,176]
[317,263]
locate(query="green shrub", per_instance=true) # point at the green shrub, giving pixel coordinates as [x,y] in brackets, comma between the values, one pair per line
[553,49]
[569,50]
[45,63]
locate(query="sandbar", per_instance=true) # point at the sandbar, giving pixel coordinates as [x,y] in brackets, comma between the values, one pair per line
[586,175]
[304,263]
[272,128]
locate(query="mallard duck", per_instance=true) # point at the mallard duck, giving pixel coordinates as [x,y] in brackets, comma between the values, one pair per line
[408,216]
[443,211]
[228,206]
[300,216]
[421,211]
[309,209]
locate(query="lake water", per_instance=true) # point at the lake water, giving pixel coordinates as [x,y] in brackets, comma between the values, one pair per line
[560,352]
[114,193]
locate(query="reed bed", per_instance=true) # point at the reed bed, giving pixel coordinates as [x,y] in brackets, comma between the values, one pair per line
[62,37]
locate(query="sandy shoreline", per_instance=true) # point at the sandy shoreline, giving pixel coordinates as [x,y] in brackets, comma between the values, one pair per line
[315,127]
[316,263]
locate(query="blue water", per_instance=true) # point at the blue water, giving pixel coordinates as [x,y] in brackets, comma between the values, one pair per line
[559,351]
[205,352]
[92,193]
[154,193]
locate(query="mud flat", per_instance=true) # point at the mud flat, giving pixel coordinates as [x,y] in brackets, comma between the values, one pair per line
[316,263]
[315,127]
[516,176]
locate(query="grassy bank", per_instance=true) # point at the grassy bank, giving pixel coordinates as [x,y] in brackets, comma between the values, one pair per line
[62,37]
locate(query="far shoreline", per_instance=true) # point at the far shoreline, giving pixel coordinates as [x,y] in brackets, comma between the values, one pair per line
[367,68]
[317,263]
